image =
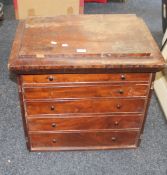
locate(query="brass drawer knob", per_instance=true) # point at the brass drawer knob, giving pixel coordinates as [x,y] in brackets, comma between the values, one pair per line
[113,139]
[76,110]
[120,91]
[52,108]
[53,125]
[119,106]
[123,77]
[50,78]
[116,123]
[54,141]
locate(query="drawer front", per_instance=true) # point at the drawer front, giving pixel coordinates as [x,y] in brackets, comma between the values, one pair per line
[132,90]
[85,123]
[57,78]
[85,106]
[83,140]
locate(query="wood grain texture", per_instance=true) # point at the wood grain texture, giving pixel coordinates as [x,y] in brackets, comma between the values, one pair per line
[74,91]
[24,121]
[76,123]
[85,78]
[101,105]
[148,100]
[83,140]
[77,42]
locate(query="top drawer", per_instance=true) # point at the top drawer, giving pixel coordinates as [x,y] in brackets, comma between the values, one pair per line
[85,78]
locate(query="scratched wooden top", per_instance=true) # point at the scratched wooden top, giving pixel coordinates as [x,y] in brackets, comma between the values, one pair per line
[84,42]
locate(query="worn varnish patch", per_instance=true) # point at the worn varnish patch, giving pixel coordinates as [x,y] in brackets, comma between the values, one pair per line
[85,41]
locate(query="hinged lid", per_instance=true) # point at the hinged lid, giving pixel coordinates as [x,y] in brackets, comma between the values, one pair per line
[84,42]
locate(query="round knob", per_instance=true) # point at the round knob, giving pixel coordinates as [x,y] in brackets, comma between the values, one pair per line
[116,123]
[52,108]
[54,140]
[54,125]
[123,77]
[51,78]
[120,91]
[76,110]
[113,139]
[118,106]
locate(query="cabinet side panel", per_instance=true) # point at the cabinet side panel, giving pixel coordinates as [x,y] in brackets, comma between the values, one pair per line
[152,78]
[19,80]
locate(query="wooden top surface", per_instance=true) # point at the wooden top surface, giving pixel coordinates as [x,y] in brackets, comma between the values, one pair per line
[84,42]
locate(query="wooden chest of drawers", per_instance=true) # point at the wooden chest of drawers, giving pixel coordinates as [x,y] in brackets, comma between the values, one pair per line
[85,82]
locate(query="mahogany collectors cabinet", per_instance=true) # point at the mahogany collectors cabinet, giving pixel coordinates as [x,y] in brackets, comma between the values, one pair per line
[84,81]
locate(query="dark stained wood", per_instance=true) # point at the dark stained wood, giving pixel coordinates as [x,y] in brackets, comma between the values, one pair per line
[85,123]
[148,101]
[83,140]
[84,78]
[85,81]
[71,42]
[23,112]
[86,91]
[101,105]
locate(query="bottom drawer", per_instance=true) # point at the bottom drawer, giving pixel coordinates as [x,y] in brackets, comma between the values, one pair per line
[83,140]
